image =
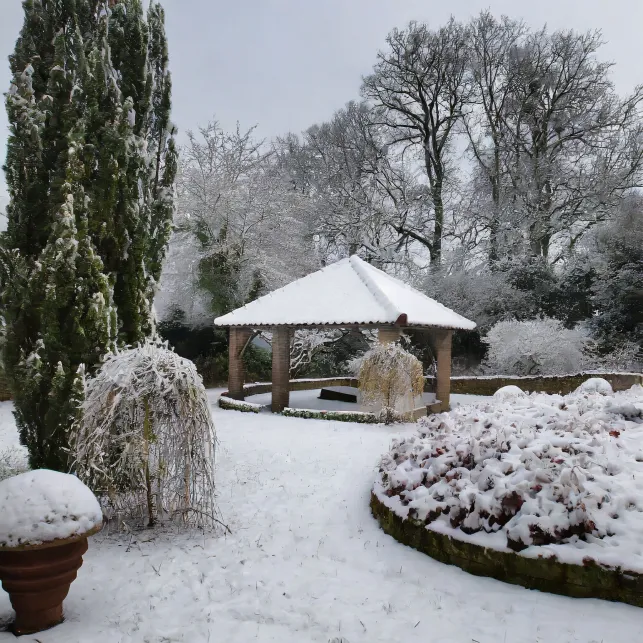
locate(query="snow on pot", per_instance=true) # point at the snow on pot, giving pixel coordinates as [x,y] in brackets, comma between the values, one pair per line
[46,519]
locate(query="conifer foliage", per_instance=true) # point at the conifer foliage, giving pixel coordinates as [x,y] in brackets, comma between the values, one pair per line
[90,169]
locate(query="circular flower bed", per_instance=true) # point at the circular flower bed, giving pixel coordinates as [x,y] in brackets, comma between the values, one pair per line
[543,475]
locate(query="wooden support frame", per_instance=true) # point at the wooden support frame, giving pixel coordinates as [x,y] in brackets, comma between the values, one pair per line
[442,344]
[280,368]
[237,342]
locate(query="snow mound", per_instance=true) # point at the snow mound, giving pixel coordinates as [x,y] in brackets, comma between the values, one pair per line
[542,475]
[595,385]
[507,393]
[42,505]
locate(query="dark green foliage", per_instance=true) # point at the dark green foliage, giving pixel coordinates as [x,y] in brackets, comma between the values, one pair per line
[207,347]
[328,361]
[617,293]
[90,206]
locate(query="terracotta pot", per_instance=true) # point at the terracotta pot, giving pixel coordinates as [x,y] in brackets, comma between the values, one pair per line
[37,579]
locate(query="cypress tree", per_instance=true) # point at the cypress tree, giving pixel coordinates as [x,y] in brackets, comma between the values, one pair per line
[90,169]
[57,302]
[139,54]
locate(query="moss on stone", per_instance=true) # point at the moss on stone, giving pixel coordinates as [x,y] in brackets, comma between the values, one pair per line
[546,574]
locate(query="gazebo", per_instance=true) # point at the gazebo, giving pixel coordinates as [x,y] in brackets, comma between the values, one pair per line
[348,294]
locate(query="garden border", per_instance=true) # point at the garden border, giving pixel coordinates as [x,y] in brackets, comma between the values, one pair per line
[483,385]
[362,417]
[590,580]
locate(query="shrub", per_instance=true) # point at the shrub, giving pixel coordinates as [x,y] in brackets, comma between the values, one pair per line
[390,379]
[528,471]
[536,347]
[146,441]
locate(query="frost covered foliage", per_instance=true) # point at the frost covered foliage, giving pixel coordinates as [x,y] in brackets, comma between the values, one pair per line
[12,462]
[527,472]
[390,379]
[146,443]
[90,170]
[536,347]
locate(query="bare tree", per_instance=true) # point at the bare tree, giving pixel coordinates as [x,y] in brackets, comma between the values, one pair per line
[360,189]
[577,145]
[491,44]
[420,85]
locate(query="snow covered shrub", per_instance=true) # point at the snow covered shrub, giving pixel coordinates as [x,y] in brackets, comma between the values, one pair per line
[595,385]
[536,347]
[12,462]
[508,393]
[146,441]
[542,470]
[390,379]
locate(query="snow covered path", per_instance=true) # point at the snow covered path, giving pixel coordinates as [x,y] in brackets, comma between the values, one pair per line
[306,562]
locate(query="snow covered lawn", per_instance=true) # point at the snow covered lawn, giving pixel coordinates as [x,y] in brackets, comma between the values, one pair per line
[306,562]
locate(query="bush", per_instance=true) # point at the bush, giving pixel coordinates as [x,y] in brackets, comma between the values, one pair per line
[145,443]
[390,379]
[536,347]
[207,347]
[528,471]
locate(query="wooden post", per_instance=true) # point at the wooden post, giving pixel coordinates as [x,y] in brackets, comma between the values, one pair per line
[280,369]
[443,376]
[388,334]
[236,370]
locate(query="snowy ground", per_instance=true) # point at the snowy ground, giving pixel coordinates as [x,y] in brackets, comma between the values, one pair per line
[306,562]
[310,400]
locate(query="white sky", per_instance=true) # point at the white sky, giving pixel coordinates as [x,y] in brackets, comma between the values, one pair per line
[286,64]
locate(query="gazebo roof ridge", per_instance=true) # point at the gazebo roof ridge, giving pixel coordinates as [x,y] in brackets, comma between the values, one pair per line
[358,264]
[349,292]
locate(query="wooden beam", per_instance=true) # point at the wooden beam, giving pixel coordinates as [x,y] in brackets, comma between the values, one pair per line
[389,334]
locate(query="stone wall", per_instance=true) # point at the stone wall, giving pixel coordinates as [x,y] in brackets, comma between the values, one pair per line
[545,574]
[562,384]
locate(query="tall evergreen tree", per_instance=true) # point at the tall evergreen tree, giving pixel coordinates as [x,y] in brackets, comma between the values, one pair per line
[57,303]
[139,54]
[90,169]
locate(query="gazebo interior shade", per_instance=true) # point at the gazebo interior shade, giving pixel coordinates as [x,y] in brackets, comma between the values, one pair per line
[348,292]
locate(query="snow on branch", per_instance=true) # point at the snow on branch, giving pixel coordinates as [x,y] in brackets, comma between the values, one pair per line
[390,379]
[146,440]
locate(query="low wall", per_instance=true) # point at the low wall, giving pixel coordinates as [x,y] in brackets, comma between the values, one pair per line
[225,402]
[300,385]
[545,574]
[563,384]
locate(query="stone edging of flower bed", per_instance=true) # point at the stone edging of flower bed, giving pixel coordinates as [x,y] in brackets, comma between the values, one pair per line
[590,580]
[238,405]
[341,416]
[362,417]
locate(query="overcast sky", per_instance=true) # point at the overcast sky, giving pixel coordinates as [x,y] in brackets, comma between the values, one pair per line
[286,64]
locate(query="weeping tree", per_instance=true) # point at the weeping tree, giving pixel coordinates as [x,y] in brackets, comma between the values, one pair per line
[146,442]
[390,379]
[90,168]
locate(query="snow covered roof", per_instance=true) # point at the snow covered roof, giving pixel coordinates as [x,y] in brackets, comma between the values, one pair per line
[350,291]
